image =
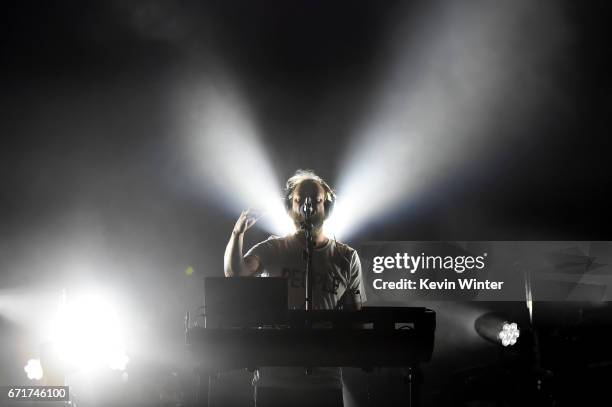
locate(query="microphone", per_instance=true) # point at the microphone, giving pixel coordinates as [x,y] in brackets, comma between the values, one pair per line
[308,209]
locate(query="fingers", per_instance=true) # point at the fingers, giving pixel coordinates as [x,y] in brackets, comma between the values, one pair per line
[256,215]
[252,214]
[249,217]
[241,223]
[245,214]
[252,220]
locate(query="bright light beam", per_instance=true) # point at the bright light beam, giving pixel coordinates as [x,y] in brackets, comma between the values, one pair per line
[33,369]
[479,69]
[87,333]
[227,154]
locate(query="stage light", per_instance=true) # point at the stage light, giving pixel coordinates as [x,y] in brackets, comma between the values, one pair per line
[118,360]
[227,157]
[34,369]
[495,328]
[509,334]
[87,333]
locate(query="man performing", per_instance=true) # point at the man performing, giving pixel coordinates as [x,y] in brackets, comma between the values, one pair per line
[337,285]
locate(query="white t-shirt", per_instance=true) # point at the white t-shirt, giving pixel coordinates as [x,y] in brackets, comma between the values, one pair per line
[338,281]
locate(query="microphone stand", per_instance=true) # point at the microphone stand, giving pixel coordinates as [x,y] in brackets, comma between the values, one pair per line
[307,227]
[540,374]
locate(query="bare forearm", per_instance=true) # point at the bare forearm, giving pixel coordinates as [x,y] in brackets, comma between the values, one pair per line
[233,258]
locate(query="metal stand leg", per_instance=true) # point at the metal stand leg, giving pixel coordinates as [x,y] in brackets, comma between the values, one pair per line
[205,378]
[413,378]
[382,387]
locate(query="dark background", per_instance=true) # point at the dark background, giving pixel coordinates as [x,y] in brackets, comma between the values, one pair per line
[89,167]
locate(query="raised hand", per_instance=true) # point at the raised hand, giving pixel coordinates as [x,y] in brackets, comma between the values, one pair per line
[246,219]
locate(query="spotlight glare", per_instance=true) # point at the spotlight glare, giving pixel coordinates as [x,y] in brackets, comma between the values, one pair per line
[118,360]
[87,333]
[494,327]
[509,334]
[228,157]
[345,214]
[34,369]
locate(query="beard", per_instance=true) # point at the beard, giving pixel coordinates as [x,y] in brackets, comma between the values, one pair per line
[317,221]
